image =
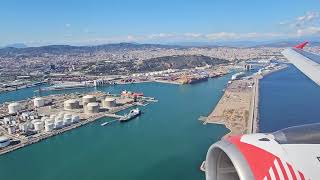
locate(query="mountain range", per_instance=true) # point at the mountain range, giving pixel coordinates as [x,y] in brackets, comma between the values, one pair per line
[20,48]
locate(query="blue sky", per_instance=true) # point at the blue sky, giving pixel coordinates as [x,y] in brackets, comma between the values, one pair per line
[41,22]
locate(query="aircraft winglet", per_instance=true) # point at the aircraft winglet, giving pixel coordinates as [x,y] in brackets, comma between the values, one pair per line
[301,46]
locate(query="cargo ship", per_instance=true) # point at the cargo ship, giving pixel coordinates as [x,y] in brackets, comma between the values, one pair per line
[132,114]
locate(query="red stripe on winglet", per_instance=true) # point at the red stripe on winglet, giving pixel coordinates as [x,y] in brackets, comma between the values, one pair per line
[301,46]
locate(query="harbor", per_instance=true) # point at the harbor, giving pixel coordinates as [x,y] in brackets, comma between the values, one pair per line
[119,146]
[26,122]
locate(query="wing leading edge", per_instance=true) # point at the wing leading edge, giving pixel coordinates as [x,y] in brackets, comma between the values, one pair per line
[306,62]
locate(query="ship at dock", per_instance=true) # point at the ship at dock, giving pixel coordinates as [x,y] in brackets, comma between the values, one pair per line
[131,115]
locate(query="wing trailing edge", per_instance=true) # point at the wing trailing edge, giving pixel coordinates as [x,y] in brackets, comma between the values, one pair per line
[306,62]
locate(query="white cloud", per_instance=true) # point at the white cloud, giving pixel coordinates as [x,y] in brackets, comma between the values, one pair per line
[167,37]
[308,17]
[193,35]
[305,25]
[308,31]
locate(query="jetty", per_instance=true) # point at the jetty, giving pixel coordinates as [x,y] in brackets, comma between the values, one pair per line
[239,106]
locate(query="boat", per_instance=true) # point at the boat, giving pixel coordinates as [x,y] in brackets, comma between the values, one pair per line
[132,114]
[108,122]
[105,123]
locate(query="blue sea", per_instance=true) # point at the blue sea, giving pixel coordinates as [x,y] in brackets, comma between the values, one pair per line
[288,98]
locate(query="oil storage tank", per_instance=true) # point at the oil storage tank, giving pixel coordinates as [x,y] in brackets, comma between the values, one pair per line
[92,107]
[88,99]
[38,102]
[109,102]
[67,119]
[14,108]
[58,123]
[75,118]
[38,125]
[71,104]
[49,127]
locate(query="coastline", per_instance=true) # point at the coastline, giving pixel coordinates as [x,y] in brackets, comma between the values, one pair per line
[244,102]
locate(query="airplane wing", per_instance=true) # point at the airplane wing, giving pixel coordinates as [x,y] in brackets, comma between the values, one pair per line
[289,154]
[306,62]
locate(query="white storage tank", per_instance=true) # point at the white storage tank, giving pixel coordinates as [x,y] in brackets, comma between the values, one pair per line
[49,127]
[49,121]
[67,116]
[109,102]
[88,99]
[35,120]
[58,123]
[75,118]
[38,102]
[92,108]
[67,122]
[67,119]
[38,126]
[71,104]
[14,108]
[23,127]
